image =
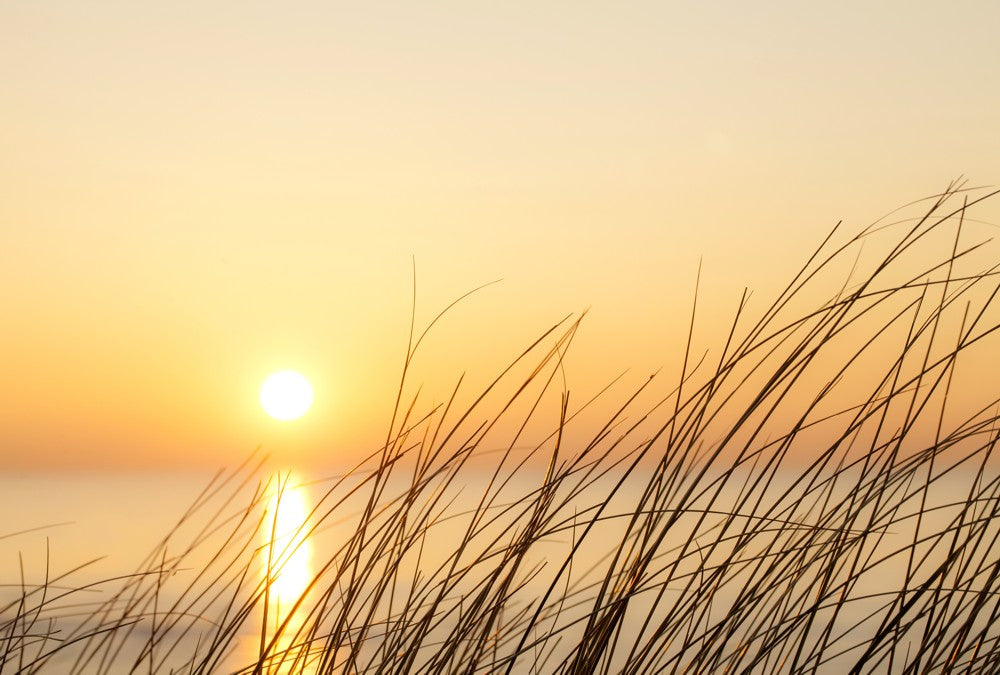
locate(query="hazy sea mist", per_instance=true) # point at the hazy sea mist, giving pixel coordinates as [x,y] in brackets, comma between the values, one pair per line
[117,519]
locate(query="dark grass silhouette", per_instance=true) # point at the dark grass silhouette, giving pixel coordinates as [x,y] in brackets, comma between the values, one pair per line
[815,494]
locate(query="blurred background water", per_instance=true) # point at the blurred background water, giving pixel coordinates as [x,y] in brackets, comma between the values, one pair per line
[55,522]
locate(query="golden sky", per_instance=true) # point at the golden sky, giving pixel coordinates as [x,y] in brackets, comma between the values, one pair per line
[196,194]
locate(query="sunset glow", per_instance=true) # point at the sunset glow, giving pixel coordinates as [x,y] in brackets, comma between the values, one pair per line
[525,337]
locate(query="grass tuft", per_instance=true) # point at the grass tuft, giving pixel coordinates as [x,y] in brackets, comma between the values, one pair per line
[817,492]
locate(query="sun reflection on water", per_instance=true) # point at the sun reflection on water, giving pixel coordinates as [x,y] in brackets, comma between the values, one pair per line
[290,551]
[287,571]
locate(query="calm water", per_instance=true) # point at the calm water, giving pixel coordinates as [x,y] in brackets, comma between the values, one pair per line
[123,517]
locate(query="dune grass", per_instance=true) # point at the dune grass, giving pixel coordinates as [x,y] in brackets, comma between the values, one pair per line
[816,492]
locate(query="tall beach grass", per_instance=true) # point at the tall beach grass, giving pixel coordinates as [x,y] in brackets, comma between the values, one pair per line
[815,492]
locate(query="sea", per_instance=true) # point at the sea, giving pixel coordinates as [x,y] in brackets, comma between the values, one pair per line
[79,536]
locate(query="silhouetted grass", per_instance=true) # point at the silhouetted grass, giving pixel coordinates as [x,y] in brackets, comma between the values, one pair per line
[816,492]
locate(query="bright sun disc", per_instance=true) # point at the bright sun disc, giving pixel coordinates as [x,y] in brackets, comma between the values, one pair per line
[286,395]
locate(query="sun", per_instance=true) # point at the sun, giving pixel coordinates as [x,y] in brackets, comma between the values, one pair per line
[286,395]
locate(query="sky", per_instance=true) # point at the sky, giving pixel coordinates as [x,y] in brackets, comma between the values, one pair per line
[197,194]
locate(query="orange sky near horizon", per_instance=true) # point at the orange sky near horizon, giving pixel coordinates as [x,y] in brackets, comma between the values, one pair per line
[196,195]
